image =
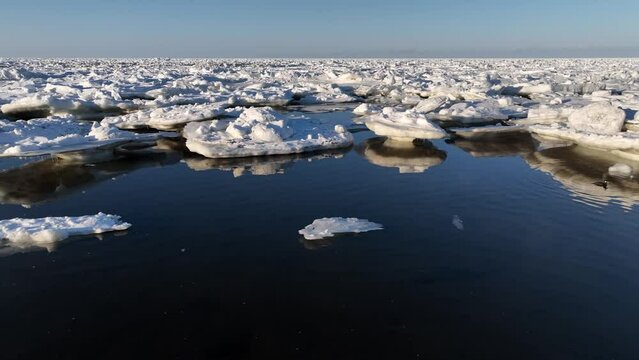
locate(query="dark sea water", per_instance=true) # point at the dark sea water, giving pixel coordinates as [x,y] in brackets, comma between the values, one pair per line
[545,266]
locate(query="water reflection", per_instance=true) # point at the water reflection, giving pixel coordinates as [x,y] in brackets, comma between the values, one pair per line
[582,171]
[415,157]
[498,145]
[8,248]
[54,177]
[258,165]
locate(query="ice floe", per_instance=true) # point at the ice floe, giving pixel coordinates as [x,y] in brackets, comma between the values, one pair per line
[328,227]
[45,232]
[59,134]
[263,131]
[403,125]
[167,118]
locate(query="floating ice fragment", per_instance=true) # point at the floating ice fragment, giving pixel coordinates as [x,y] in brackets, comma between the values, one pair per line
[403,125]
[167,118]
[328,227]
[458,223]
[60,134]
[262,131]
[43,232]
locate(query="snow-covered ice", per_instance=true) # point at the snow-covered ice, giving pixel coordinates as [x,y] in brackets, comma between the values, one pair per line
[59,134]
[44,232]
[328,227]
[263,131]
[167,118]
[403,125]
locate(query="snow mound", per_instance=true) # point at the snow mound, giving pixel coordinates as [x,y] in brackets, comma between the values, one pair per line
[598,118]
[262,131]
[403,125]
[59,134]
[328,227]
[45,231]
[167,118]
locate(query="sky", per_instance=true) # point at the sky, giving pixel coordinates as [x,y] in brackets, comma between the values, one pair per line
[328,28]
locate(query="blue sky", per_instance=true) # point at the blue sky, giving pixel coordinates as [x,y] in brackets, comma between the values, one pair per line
[329,28]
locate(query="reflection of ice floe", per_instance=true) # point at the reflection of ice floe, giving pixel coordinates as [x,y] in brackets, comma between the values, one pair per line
[262,131]
[483,131]
[258,165]
[508,144]
[55,135]
[18,234]
[166,118]
[415,157]
[328,227]
[578,169]
[51,178]
[403,125]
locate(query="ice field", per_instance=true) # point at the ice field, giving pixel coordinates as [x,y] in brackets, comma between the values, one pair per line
[315,207]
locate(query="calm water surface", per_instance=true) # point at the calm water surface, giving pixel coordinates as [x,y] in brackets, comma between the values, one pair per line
[546,264]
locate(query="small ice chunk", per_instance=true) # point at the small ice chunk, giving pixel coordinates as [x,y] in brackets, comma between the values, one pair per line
[621,170]
[598,118]
[458,223]
[328,227]
[43,232]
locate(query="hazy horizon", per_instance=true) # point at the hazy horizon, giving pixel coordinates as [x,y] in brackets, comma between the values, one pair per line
[326,29]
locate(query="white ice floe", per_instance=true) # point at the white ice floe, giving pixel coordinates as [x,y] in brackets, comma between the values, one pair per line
[328,227]
[430,104]
[621,170]
[45,232]
[367,109]
[262,131]
[59,134]
[598,118]
[403,125]
[597,126]
[469,112]
[167,118]
[626,143]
